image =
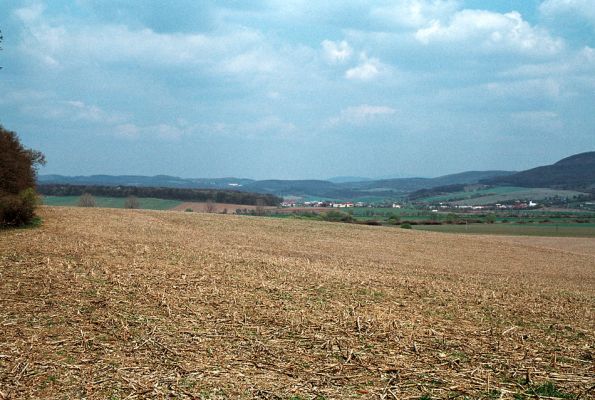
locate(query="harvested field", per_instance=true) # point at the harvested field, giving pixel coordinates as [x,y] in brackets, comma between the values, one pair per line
[129,304]
[217,207]
[571,244]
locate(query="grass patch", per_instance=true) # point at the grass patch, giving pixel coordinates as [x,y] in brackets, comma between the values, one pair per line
[146,203]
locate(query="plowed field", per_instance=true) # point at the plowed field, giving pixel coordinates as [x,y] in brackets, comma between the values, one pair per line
[128,304]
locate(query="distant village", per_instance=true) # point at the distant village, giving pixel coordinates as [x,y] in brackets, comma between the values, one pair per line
[442,206]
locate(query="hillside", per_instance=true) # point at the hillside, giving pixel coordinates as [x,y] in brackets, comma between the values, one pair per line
[407,185]
[102,304]
[145,181]
[576,172]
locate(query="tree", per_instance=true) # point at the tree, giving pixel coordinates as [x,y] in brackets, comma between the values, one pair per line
[210,207]
[87,200]
[132,202]
[18,170]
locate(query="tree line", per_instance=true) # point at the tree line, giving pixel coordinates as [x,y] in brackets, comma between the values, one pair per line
[199,195]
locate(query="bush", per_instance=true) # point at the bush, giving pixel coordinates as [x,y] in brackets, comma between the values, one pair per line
[406,225]
[131,202]
[87,200]
[18,210]
[337,216]
[394,219]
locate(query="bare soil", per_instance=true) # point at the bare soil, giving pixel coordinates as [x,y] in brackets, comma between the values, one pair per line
[130,304]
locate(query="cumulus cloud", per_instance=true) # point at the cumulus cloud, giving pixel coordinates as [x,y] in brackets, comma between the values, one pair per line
[415,13]
[56,44]
[491,31]
[368,69]
[336,52]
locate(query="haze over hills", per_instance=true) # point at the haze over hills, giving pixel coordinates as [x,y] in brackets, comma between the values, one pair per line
[576,172]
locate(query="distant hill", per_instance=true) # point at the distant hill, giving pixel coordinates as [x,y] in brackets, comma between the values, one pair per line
[146,181]
[314,188]
[576,172]
[407,185]
[347,179]
[348,190]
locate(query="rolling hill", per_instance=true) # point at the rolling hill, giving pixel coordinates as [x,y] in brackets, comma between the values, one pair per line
[378,189]
[576,172]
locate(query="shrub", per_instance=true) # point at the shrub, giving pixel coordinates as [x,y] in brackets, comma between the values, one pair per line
[394,219]
[18,210]
[337,216]
[131,202]
[406,225]
[188,210]
[87,200]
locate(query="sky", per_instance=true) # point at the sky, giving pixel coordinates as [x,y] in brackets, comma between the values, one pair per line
[296,89]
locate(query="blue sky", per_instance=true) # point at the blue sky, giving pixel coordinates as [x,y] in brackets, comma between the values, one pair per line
[296,89]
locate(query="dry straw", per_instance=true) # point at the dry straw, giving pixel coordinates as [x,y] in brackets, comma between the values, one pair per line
[128,304]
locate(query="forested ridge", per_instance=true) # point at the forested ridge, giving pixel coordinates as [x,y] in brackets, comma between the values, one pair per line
[200,195]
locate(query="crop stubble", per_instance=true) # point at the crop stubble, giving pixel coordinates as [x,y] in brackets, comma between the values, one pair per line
[146,304]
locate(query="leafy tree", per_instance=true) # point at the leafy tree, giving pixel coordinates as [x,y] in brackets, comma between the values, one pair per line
[452,218]
[490,218]
[18,169]
[394,219]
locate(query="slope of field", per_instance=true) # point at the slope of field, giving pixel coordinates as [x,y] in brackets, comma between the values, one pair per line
[130,304]
[500,194]
[506,194]
[573,245]
[551,230]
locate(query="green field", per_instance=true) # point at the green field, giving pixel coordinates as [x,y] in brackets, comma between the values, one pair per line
[501,194]
[112,202]
[562,230]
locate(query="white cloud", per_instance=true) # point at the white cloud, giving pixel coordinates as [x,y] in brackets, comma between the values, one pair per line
[490,31]
[583,9]
[415,13]
[336,52]
[368,69]
[59,44]
[361,114]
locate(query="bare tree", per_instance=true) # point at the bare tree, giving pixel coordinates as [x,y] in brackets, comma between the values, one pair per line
[132,202]
[210,207]
[259,209]
[87,200]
